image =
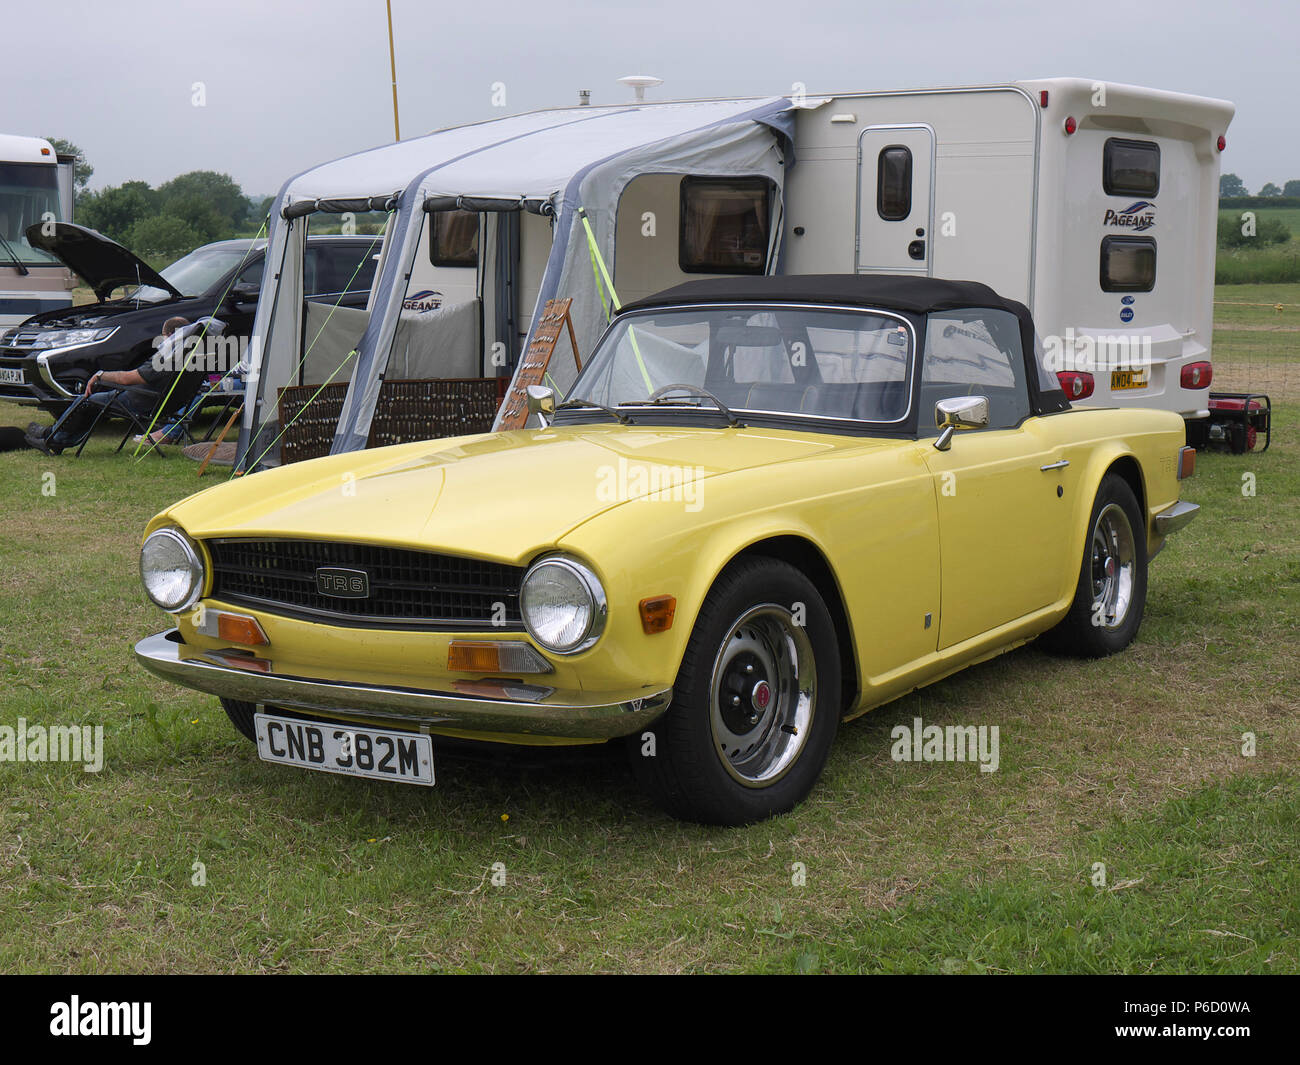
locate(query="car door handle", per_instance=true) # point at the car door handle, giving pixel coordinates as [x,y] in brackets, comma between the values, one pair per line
[1055,465]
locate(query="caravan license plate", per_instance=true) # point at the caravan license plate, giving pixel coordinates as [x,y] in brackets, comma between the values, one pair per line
[11,377]
[1121,379]
[345,749]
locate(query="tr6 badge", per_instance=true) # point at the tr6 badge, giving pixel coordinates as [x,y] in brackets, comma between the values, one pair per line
[343,583]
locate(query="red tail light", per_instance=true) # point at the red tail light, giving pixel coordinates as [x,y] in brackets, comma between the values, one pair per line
[1071,125]
[1075,383]
[1196,375]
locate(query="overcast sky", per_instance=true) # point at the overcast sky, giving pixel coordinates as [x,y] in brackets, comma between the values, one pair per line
[291,84]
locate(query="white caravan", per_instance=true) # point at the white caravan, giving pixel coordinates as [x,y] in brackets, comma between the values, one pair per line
[1093,203]
[35,186]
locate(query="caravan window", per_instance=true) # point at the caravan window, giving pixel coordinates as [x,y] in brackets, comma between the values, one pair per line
[894,183]
[725,225]
[453,240]
[1131,168]
[1128,264]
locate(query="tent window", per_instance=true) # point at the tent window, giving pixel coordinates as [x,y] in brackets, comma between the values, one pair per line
[453,240]
[894,183]
[1130,168]
[1128,264]
[724,226]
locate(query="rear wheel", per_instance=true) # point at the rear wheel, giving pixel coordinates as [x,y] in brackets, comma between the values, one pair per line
[1112,589]
[241,716]
[756,703]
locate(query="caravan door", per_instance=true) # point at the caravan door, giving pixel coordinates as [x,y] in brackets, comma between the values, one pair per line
[895,200]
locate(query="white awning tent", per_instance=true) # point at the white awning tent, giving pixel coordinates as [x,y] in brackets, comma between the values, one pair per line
[547,162]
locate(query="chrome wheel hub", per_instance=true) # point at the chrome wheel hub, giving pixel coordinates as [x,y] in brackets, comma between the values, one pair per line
[1113,567]
[762,695]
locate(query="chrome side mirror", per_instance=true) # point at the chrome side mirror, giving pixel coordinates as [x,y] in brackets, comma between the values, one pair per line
[541,401]
[959,412]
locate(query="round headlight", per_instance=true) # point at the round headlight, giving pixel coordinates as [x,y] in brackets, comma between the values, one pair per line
[171,570]
[563,605]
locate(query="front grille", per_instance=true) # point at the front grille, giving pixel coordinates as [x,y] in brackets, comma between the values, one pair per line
[407,589]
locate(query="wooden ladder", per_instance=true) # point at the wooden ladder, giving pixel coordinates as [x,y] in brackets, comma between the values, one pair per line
[555,317]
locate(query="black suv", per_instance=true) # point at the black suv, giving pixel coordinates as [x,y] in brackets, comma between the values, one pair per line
[48,359]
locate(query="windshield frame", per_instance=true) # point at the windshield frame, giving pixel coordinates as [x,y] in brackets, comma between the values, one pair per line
[688,414]
[211,250]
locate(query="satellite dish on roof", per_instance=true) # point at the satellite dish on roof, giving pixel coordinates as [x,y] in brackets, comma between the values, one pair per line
[638,83]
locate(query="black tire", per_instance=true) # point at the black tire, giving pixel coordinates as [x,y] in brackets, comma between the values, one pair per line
[1104,618]
[241,716]
[747,630]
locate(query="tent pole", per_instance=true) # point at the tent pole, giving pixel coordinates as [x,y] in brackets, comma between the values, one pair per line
[392,64]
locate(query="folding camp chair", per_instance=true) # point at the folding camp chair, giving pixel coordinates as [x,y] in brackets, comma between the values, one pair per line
[167,406]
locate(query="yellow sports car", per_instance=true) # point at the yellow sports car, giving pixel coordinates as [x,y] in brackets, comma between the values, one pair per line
[766,505]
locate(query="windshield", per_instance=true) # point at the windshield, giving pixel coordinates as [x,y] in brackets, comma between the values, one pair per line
[195,274]
[798,361]
[29,193]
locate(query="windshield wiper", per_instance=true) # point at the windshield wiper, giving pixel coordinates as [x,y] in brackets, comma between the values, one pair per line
[574,404]
[656,399]
[22,269]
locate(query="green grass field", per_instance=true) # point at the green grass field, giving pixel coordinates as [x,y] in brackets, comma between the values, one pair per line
[1270,265]
[1134,764]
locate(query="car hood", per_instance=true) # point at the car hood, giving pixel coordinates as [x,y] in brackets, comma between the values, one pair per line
[102,263]
[500,496]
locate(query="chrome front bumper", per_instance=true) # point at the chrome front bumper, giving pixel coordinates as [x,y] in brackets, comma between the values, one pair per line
[514,706]
[1173,518]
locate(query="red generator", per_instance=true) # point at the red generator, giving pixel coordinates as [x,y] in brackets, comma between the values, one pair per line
[1237,420]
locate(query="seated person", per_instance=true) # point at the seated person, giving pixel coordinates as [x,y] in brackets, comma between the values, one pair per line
[135,390]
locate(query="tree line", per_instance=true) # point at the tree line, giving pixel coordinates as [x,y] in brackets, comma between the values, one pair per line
[166,222]
[1232,186]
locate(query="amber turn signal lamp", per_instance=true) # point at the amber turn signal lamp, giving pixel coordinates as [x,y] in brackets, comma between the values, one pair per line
[473,657]
[488,656]
[1186,462]
[240,629]
[657,613]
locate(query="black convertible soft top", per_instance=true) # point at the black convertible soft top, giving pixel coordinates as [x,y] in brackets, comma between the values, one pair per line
[898,292]
[892,292]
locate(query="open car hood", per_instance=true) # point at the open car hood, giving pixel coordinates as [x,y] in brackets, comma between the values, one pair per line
[102,263]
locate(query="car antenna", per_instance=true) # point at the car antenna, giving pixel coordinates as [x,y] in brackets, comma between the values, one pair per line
[137,286]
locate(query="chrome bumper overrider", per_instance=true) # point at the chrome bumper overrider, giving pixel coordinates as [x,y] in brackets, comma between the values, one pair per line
[514,707]
[1171,519]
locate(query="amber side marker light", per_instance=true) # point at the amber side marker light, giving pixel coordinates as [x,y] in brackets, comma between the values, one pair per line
[657,613]
[489,656]
[234,628]
[1186,463]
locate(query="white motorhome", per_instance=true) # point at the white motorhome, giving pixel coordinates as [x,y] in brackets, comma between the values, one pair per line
[35,186]
[1093,203]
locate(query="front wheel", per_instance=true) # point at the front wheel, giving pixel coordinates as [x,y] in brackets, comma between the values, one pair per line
[241,716]
[1112,590]
[756,703]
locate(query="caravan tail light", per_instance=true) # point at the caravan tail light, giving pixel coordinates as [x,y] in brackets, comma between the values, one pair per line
[1223,142]
[1071,125]
[1075,383]
[1196,375]
[1042,99]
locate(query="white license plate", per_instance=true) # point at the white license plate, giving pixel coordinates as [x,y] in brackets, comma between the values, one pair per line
[346,749]
[10,377]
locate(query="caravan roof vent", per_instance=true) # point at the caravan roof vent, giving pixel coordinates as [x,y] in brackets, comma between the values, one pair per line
[638,83]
